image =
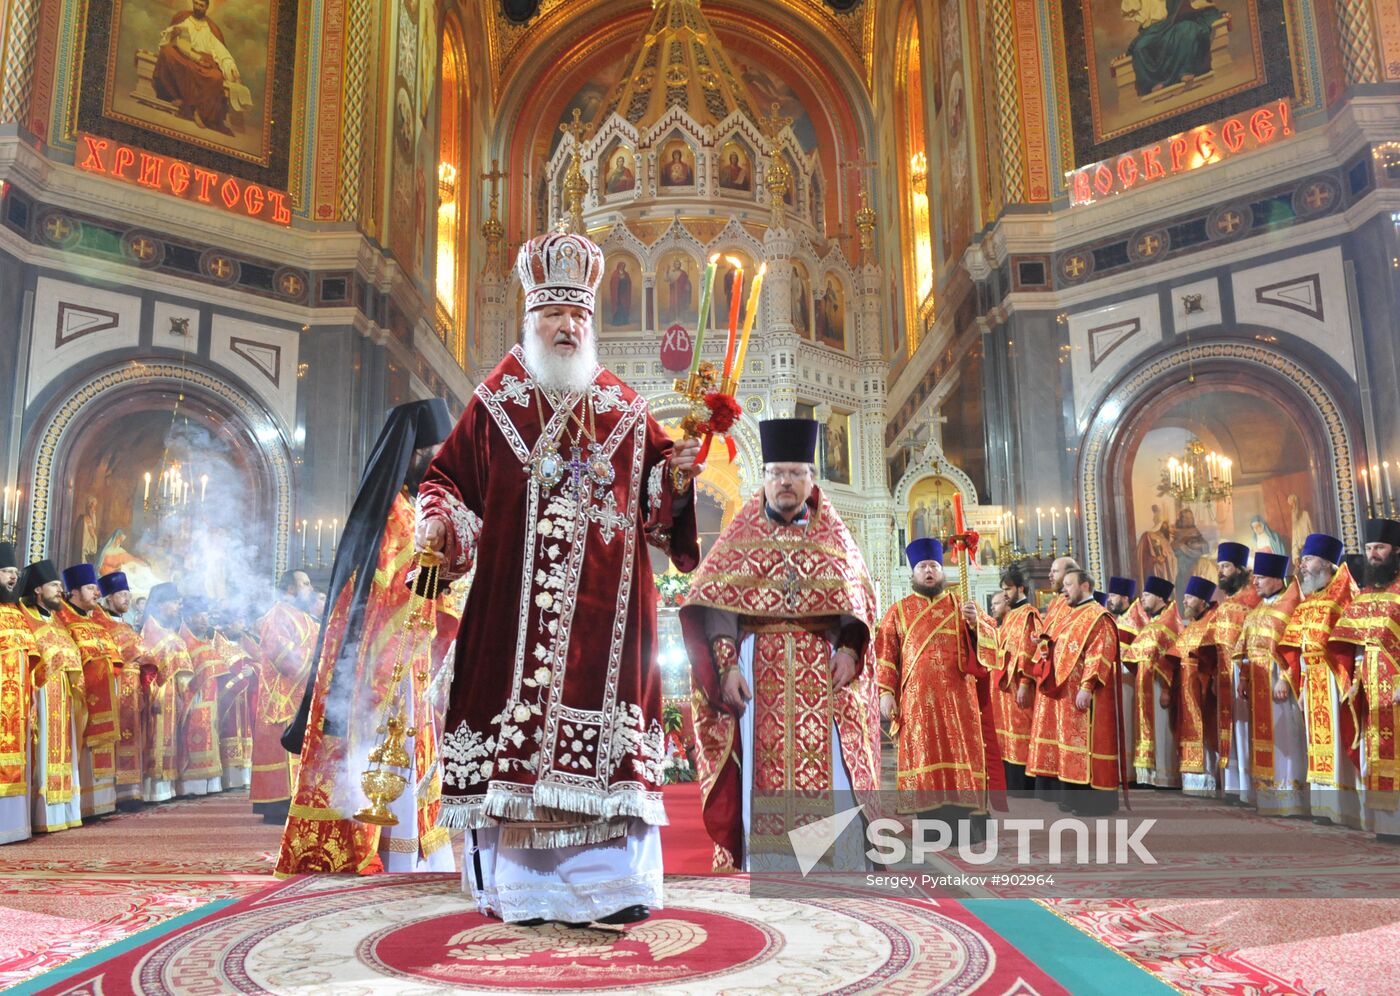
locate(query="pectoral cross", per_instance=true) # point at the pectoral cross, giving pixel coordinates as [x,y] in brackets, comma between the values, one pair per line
[576,467]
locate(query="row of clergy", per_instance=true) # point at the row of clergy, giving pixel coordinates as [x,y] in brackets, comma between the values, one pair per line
[97,714]
[1272,690]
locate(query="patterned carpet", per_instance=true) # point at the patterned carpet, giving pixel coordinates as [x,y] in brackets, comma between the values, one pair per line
[184,889]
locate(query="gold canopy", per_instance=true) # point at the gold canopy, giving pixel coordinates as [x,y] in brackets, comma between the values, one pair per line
[678,62]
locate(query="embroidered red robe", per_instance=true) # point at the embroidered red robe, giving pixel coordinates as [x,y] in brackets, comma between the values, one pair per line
[62,670]
[133,706]
[1144,657]
[171,659]
[1304,645]
[1018,640]
[199,757]
[19,656]
[1084,655]
[789,586]
[1191,666]
[1226,624]
[1258,647]
[1372,622]
[555,713]
[321,834]
[98,729]
[926,657]
[287,639]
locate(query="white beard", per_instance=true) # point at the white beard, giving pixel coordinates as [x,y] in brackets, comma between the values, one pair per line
[1312,583]
[570,374]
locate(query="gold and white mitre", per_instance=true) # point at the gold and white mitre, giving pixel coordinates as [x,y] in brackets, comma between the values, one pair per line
[559,268]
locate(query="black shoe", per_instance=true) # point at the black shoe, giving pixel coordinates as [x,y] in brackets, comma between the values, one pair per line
[534,921]
[626,915]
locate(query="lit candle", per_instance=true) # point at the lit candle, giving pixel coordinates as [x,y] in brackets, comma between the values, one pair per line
[1039,527]
[335,526]
[1068,531]
[146,498]
[14,516]
[319,524]
[736,294]
[707,286]
[1366,490]
[1376,483]
[1054,523]
[748,322]
[203,487]
[1389,495]
[5,509]
[303,542]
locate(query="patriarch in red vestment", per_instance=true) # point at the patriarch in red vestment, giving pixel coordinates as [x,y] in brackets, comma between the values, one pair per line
[778,625]
[552,483]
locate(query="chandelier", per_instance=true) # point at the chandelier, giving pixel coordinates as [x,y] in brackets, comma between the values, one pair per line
[1197,476]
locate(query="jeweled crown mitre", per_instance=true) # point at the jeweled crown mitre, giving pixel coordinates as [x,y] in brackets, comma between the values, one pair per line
[559,268]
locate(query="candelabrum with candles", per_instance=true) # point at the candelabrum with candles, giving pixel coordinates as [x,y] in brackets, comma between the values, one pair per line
[1198,477]
[170,494]
[326,536]
[1377,492]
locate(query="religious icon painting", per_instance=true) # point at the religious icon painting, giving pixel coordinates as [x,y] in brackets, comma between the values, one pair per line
[621,292]
[208,81]
[620,170]
[1140,70]
[801,303]
[735,168]
[676,164]
[678,287]
[931,508]
[836,449]
[829,313]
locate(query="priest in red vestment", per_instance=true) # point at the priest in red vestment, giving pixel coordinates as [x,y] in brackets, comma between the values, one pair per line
[1231,701]
[778,625]
[553,482]
[19,661]
[1369,629]
[1151,733]
[133,680]
[1013,700]
[97,712]
[1190,665]
[936,695]
[286,638]
[362,638]
[1085,756]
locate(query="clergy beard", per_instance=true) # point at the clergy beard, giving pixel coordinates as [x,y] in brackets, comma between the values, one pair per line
[1382,574]
[929,590]
[553,372]
[1233,584]
[1313,581]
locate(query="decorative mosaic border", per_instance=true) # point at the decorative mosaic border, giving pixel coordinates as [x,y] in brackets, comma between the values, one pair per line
[43,470]
[1103,430]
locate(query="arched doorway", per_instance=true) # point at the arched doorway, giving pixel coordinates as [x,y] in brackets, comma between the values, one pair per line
[1286,436]
[167,473]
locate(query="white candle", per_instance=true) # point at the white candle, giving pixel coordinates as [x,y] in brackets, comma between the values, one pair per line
[1054,523]
[5,508]
[1389,495]
[1366,490]
[1039,527]
[203,487]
